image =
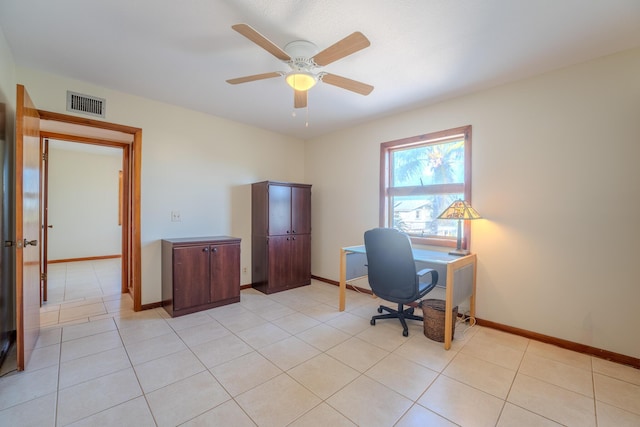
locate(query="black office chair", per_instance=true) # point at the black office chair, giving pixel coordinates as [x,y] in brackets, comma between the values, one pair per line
[392,274]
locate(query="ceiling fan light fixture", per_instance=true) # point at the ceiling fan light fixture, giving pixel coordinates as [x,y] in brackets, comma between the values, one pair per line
[301,80]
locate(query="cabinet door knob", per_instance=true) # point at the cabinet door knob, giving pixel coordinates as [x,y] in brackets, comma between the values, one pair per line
[215,249]
[205,250]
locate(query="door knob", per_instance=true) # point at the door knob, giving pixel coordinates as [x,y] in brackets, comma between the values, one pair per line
[30,242]
[50,226]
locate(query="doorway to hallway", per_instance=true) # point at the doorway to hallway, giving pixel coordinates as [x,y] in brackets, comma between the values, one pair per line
[81,291]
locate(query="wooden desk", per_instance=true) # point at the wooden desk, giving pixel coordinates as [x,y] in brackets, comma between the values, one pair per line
[457,275]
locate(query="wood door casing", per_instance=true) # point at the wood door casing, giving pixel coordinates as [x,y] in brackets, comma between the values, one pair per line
[132,163]
[27,214]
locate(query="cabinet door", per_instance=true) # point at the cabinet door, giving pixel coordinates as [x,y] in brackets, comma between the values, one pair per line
[279,209]
[300,210]
[190,276]
[279,261]
[301,259]
[225,272]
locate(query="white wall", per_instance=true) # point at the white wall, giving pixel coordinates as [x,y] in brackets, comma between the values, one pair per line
[197,164]
[555,175]
[83,202]
[7,75]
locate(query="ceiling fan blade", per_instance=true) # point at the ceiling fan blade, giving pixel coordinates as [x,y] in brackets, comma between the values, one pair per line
[300,99]
[348,45]
[348,84]
[253,78]
[261,41]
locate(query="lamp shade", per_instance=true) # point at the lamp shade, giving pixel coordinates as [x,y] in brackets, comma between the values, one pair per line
[301,80]
[459,209]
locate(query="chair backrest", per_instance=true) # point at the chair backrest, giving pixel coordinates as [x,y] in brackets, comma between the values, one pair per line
[391,268]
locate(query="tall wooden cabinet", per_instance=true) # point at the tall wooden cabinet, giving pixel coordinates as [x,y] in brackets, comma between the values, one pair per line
[200,273]
[281,235]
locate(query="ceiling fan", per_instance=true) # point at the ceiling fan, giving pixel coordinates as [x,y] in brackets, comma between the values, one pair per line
[304,60]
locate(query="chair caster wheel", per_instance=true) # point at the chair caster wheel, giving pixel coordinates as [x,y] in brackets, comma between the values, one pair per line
[373,322]
[405,333]
[379,309]
[411,310]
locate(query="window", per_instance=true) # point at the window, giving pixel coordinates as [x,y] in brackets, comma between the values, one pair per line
[419,178]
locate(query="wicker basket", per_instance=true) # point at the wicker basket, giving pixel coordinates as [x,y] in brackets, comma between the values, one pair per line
[433,313]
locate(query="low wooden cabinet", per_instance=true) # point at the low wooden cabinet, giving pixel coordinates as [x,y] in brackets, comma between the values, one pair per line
[200,273]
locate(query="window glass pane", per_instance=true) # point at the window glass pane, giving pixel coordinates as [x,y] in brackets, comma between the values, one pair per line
[441,163]
[417,215]
[420,177]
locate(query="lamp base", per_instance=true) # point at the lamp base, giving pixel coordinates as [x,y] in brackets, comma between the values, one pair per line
[459,252]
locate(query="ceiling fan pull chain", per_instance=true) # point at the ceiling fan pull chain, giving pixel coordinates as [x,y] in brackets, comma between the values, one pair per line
[306,124]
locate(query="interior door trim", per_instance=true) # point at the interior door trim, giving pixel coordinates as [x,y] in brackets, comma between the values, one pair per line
[132,161]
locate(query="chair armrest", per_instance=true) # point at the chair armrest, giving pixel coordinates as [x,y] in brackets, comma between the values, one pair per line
[424,271]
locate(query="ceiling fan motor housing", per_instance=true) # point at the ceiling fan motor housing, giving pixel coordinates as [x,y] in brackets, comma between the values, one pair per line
[301,52]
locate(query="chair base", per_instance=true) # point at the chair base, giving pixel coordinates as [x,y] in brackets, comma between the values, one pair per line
[401,314]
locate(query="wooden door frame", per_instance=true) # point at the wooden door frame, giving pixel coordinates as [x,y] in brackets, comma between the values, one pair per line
[132,162]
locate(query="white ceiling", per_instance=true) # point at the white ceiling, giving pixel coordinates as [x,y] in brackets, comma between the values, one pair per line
[422,51]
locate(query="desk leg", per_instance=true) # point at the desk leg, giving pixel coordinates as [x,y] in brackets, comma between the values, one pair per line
[343,280]
[448,307]
[472,300]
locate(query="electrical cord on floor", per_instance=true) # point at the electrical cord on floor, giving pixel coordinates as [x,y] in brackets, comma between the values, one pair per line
[355,288]
[467,318]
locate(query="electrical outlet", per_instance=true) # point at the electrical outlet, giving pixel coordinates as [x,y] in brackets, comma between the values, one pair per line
[244,270]
[175,216]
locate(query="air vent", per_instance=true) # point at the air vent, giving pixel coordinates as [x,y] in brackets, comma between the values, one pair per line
[85,104]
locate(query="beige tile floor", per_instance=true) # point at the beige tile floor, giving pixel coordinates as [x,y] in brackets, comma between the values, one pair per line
[291,359]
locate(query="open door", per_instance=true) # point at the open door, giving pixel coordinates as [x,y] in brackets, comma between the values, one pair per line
[27,216]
